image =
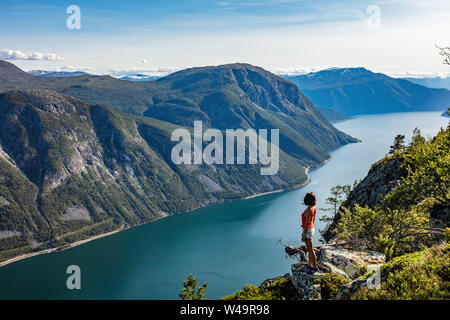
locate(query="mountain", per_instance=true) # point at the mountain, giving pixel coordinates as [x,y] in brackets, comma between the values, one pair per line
[138,77]
[9,72]
[52,74]
[432,82]
[355,91]
[228,96]
[333,115]
[70,170]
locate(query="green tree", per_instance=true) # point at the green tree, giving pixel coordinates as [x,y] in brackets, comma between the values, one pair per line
[417,138]
[428,167]
[383,228]
[399,144]
[338,195]
[190,290]
[335,201]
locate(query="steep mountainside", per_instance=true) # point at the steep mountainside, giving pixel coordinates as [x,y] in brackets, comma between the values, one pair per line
[333,115]
[229,96]
[70,170]
[412,176]
[381,178]
[355,91]
[9,72]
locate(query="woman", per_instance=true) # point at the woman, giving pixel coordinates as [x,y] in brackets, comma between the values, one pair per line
[308,218]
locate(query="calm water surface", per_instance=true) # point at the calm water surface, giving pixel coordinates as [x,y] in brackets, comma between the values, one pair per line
[227,245]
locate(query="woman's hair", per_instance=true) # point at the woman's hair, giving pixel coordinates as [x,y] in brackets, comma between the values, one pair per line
[310,199]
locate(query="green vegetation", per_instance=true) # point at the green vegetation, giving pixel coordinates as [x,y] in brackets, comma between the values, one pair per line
[428,165]
[399,144]
[281,289]
[419,275]
[330,284]
[191,291]
[338,194]
[401,221]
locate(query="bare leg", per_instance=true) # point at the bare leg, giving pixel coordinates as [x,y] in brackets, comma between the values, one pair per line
[311,254]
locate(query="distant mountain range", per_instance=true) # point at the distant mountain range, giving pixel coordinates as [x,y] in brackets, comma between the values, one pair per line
[340,92]
[138,77]
[72,167]
[355,91]
[432,82]
[135,77]
[52,74]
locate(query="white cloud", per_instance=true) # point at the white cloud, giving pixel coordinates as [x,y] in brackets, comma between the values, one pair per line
[8,54]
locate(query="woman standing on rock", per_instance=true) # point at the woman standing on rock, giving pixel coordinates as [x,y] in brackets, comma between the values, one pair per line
[308,217]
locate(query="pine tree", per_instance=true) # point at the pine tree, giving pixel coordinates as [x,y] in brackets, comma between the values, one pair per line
[399,144]
[190,289]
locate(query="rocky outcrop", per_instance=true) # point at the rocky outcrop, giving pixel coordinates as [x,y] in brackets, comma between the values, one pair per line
[348,264]
[382,177]
[307,285]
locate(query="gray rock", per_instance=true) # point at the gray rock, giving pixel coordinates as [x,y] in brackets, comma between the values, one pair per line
[4,202]
[307,285]
[76,213]
[344,262]
[382,177]
[350,262]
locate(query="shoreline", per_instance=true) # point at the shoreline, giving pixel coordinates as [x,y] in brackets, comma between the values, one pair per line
[123,228]
[60,249]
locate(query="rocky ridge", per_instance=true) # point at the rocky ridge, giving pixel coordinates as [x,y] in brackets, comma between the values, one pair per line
[352,265]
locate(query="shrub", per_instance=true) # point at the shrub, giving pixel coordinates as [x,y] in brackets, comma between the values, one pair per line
[190,290]
[281,289]
[447,235]
[330,284]
[413,276]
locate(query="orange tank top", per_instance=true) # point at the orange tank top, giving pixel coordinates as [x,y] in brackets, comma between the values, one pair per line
[313,217]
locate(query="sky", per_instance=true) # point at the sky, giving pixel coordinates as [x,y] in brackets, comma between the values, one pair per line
[156,37]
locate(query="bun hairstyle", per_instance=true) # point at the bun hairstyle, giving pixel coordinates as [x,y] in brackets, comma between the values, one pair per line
[310,199]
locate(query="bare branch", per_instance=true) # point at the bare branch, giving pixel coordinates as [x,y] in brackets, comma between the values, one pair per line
[445,52]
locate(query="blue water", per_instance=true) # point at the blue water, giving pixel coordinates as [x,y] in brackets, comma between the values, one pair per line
[227,245]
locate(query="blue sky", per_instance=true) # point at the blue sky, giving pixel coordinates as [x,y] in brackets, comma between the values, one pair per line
[157,37]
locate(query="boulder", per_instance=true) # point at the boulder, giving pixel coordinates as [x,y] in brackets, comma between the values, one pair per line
[307,285]
[350,262]
[347,263]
